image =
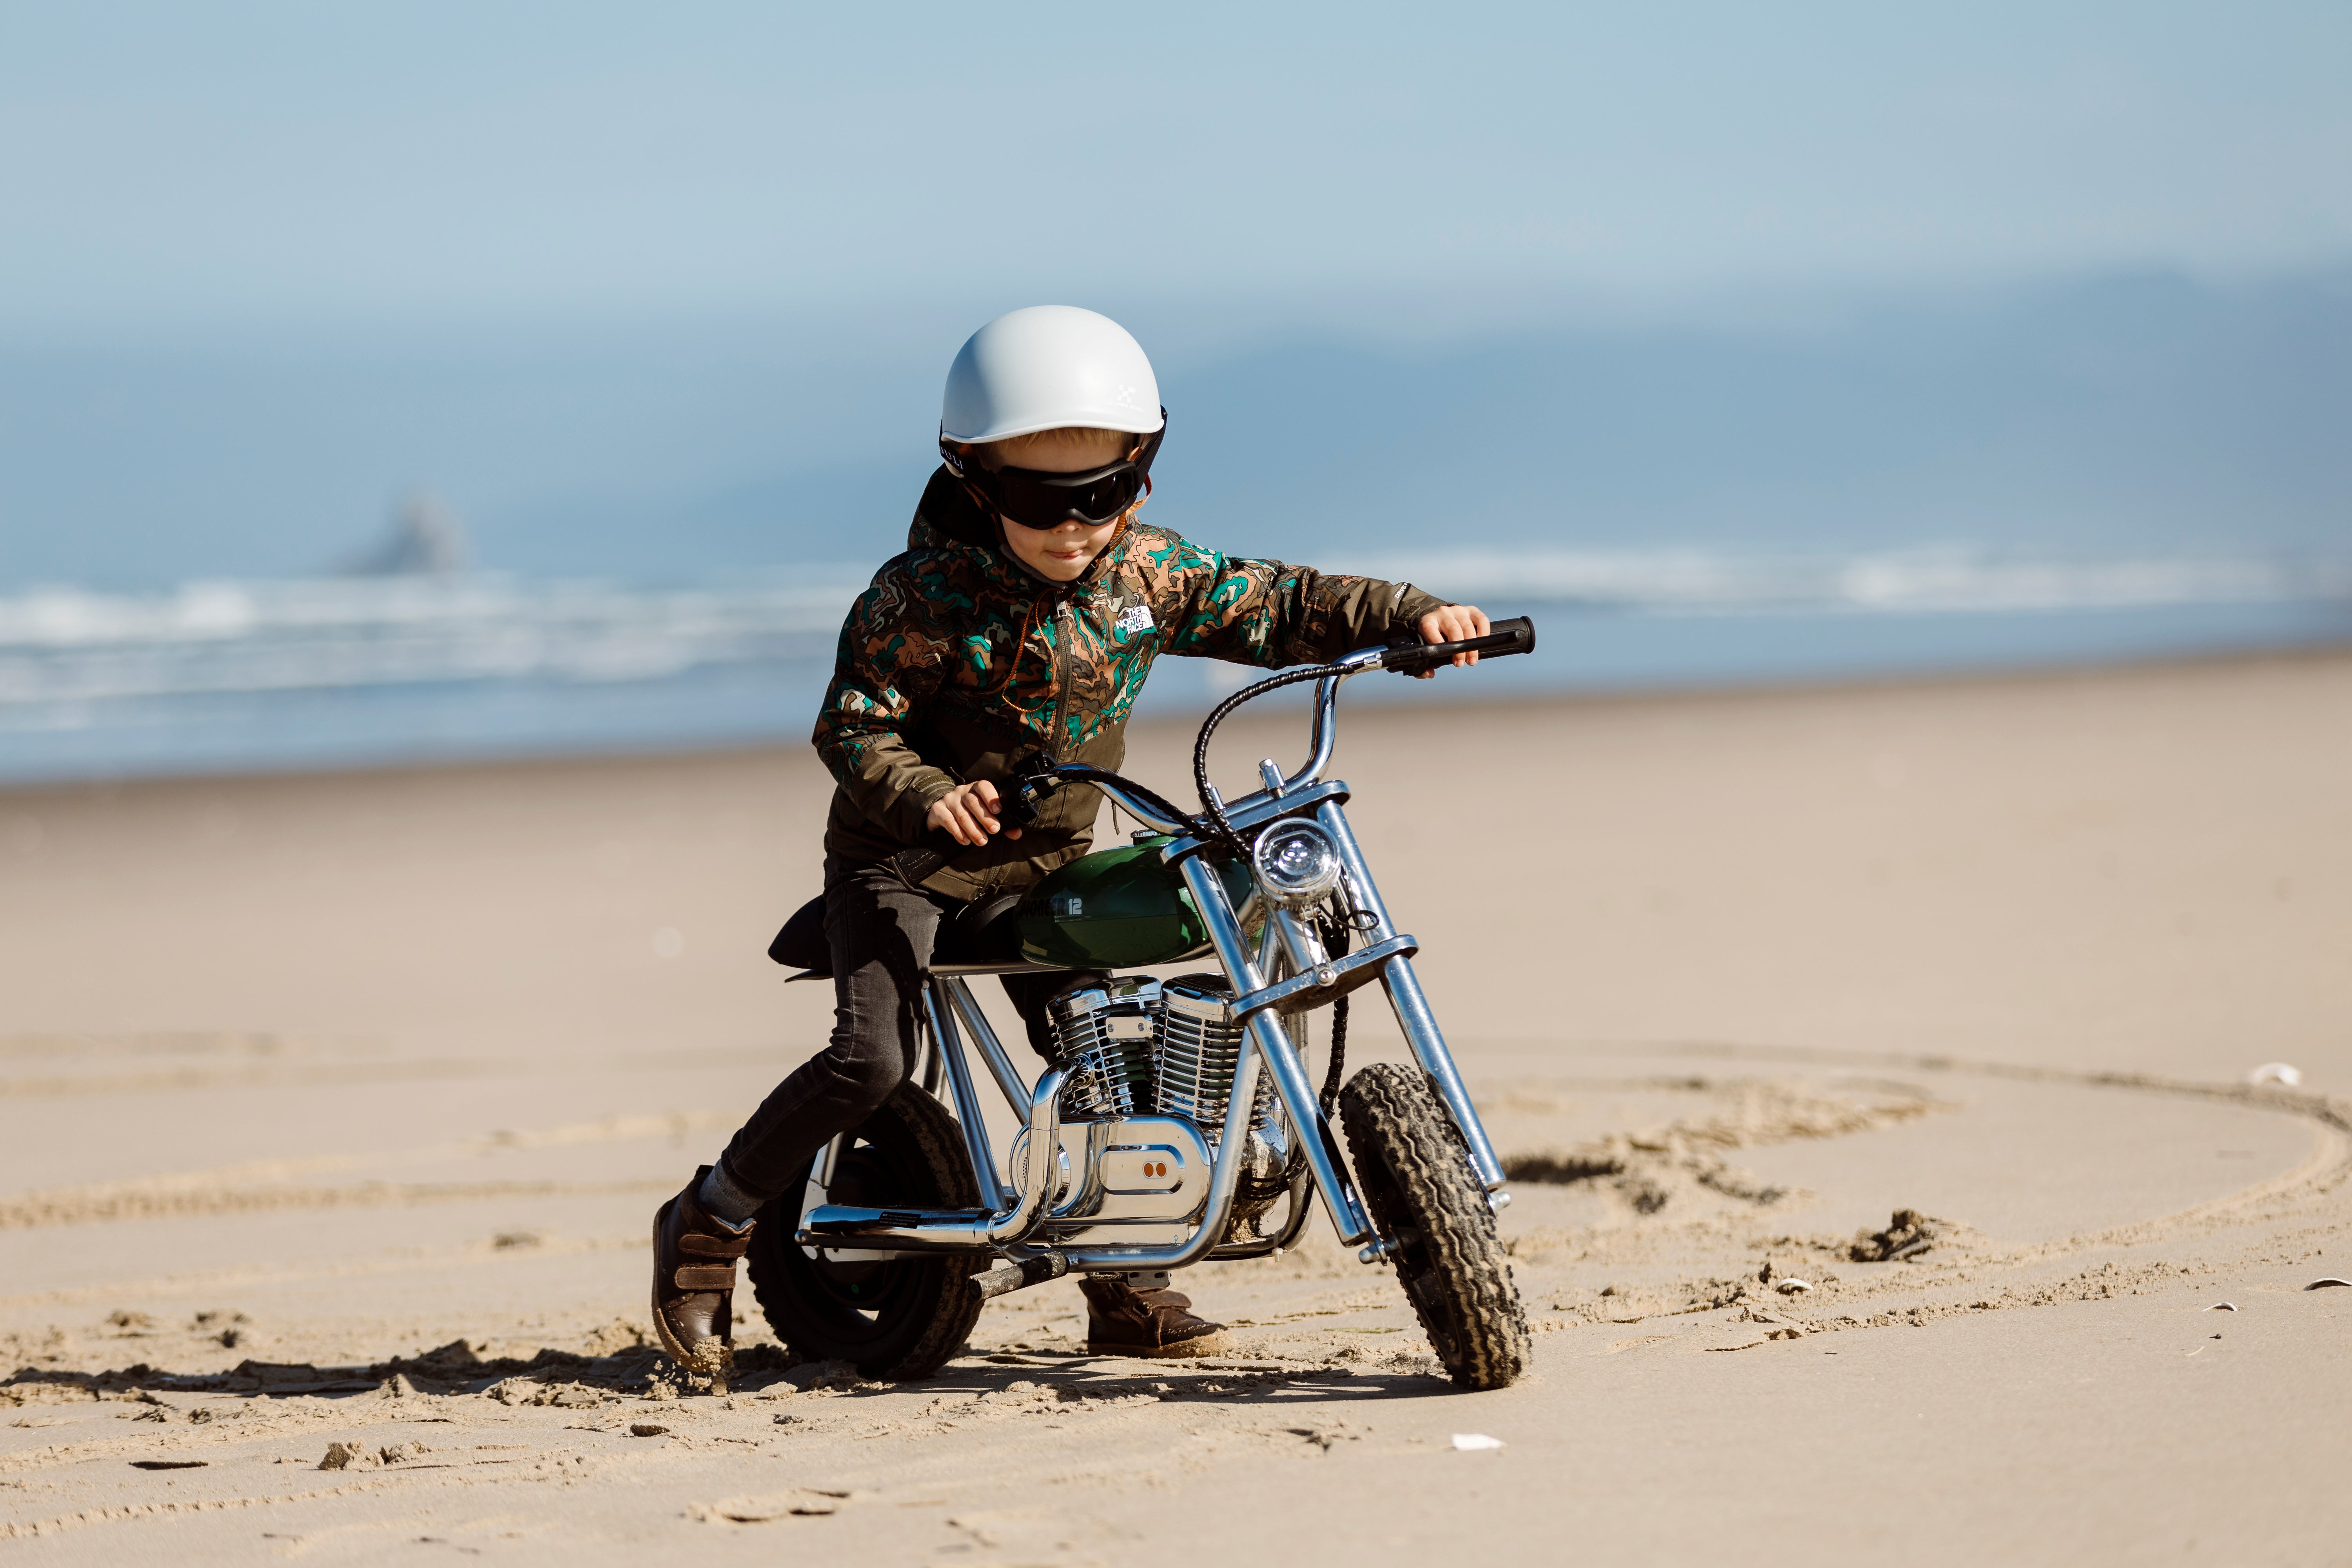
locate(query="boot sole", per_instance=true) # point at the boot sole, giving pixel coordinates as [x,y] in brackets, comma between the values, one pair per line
[1182,1350]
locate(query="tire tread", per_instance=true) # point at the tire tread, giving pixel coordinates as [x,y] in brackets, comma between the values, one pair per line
[1413,1170]
[955,1307]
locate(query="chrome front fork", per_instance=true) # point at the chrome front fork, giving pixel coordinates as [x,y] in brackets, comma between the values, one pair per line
[1280,1057]
[1413,1014]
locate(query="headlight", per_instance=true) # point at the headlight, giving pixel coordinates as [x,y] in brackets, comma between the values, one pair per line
[1296,862]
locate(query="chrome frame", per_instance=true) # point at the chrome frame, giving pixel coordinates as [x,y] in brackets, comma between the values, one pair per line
[1021,1222]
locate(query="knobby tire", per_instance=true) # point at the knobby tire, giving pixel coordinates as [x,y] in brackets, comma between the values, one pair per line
[930,1306]
[1413,1170]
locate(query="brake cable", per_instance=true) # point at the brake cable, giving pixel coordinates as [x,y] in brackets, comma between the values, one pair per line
[1338,933]
[1214,810]
[1336,929]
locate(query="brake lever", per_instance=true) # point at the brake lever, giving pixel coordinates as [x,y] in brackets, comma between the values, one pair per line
[1033,782]
[1401,640]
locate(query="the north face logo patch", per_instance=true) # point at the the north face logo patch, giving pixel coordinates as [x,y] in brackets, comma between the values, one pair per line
[1136,618]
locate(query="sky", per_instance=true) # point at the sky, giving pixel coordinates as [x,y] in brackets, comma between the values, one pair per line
[612,279]
[662,296]
[286,170]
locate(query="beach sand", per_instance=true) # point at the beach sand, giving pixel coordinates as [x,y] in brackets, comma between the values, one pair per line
[333,1110]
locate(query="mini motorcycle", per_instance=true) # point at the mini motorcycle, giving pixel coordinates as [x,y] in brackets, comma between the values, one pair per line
[1178,1115]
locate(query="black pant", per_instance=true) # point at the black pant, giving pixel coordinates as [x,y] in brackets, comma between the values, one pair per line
[881,933]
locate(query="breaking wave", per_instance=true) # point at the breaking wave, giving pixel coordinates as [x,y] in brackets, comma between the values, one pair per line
[1912,582]
[70,648]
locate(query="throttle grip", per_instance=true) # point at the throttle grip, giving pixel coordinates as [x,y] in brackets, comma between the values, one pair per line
[1017,807]
[1517,634]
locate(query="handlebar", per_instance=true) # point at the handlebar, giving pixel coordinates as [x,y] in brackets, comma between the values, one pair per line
[1039,774]
[1016,807]
[1506,638]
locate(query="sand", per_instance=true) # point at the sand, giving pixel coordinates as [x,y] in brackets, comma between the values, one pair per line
[333,1110]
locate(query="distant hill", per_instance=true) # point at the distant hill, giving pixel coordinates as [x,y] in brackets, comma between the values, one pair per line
[2094,416]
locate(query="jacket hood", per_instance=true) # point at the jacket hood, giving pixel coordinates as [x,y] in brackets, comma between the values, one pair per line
[952,514]
[948,516]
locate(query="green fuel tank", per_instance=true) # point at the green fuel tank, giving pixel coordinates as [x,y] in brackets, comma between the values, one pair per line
[1118,909]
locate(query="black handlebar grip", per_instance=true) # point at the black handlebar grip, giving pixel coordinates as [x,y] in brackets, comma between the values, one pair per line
[1508,638]
[1515,636]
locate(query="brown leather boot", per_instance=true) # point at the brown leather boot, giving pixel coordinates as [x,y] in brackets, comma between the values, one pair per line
[694,1284]
[1155,1321]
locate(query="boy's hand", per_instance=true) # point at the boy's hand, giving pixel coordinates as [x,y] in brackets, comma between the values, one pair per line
[968,813]
[1453,624]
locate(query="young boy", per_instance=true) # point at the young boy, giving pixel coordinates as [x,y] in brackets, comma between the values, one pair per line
[1025,614]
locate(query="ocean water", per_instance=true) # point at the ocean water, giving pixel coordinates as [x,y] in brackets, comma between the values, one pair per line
[665,525]
[229,676]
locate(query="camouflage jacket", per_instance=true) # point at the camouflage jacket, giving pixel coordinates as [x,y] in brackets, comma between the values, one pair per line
[957,660]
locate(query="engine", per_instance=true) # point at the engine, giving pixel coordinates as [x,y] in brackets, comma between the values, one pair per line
[1139,1046]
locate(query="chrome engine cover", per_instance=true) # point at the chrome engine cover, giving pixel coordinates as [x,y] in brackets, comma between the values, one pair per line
[1130,1181]
[1148,1056]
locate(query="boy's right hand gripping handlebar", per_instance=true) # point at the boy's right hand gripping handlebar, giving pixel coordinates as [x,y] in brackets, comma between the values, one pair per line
[1017,807]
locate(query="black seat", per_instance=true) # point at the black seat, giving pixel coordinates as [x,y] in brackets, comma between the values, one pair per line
[978,936]
[802,944]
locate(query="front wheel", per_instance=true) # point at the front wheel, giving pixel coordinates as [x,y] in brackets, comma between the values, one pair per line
[1413,1170]
[895,1318]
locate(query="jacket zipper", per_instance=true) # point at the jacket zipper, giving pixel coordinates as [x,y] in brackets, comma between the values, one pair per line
[1063,631]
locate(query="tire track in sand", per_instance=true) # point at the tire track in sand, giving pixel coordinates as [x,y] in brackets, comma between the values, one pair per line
[1962,1257]
[273,1185]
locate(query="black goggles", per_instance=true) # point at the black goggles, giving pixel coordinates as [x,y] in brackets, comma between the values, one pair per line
[1037,499]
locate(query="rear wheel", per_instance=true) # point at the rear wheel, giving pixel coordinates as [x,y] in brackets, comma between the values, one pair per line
[895,1318]
[1413,1170]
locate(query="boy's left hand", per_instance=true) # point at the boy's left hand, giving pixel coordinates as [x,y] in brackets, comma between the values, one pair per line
[1453,624]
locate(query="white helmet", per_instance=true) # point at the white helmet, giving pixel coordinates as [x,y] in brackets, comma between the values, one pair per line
[1045,367]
